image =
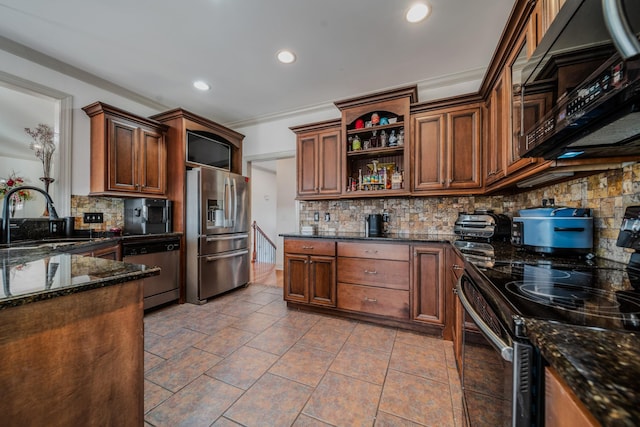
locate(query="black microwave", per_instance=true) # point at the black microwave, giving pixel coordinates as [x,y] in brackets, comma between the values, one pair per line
[587,65]
[207,149]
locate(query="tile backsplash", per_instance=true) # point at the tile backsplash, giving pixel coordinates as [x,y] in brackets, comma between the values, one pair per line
[111,207]
[607,194]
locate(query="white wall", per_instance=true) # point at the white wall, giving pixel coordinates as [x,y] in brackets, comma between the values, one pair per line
[286,205]
[264,193]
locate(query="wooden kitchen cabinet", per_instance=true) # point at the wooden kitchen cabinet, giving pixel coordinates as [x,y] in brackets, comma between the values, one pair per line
[358,122]
[319,159]
[447,150]
[455,269]
[429,284]
[128,153]
[109,250]
[562,408]
[374,279]
[310,272]
[498,132]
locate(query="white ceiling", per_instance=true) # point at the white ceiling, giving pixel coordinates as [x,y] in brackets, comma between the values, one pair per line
[345,48]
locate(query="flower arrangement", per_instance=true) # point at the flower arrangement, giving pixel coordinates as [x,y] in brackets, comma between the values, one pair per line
[42,145]
[11,182]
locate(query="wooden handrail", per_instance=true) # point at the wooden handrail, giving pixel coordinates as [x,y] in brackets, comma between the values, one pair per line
[258,231]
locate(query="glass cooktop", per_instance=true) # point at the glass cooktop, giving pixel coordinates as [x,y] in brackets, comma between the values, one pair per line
[600,293]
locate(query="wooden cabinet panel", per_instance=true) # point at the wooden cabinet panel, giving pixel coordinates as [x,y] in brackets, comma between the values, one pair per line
[329,163]
[374,272]
[310,247]
[561,406]
[385,251]
[372,300]
[496,147]
[296,282]
[429,152]
[307,161]
[322,273]
[464,149]
[153,162]
[428,288]
[122,158]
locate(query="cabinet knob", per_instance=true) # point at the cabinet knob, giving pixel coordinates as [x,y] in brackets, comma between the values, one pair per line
[310,262]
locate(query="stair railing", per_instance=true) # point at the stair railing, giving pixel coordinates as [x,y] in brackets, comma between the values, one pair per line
[264,250]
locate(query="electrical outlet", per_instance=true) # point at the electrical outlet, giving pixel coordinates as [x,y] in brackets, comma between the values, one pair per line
[92,218]
[316,216]
[327,217]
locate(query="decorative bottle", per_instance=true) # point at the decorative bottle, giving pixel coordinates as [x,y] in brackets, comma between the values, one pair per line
[383,139]
[356,144]
[393,139]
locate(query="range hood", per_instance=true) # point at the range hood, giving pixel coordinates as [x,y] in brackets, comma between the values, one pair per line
[601,116]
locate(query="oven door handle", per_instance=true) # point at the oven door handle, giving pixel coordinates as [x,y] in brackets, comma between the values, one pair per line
[505,350]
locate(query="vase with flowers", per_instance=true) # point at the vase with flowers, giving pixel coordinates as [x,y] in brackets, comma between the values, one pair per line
[17,198]
[44,147]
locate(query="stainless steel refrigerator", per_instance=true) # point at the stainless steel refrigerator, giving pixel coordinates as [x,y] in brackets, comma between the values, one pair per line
[217,233]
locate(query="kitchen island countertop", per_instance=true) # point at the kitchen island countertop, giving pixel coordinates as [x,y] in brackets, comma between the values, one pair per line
[38,274]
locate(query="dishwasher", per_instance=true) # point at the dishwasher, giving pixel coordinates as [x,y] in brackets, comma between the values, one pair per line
[156,252]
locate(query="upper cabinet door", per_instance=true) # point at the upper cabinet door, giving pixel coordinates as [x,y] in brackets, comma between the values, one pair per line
[496,146]
[464,148]
[307,159]
[429,151]
[330,162]
[152,162]
[122,155]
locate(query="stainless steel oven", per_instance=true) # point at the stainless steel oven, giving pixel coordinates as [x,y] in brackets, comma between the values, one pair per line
[497,368]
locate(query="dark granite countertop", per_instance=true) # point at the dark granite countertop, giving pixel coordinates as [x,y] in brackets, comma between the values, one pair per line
[601,366]
[34,273]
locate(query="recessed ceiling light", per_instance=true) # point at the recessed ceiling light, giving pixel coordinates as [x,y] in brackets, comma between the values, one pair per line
[200,85]
[418,12]
[286,56]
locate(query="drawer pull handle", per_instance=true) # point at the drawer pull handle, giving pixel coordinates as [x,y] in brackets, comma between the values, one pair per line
[457,267]
[307,247]
[371,272]
[367,299]
[368,251]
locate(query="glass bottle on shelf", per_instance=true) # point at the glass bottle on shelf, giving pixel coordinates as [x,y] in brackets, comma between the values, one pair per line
[383,139]
[360,183]
[393,139]
[396,180]
[350,144]
[373,142]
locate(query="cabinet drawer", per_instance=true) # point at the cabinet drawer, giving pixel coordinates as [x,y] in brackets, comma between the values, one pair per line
[310,247]
[374,250]
[371,300]
[381,273]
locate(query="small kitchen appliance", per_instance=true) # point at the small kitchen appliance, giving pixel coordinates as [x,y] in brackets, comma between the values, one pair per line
[482,224]
[553,230]
[147,216]
[374,225]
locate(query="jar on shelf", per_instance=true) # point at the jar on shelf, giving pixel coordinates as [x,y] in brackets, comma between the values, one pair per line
[356,144]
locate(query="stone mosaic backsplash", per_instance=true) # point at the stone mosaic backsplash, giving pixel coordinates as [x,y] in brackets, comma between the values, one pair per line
[111,207]
[607,194]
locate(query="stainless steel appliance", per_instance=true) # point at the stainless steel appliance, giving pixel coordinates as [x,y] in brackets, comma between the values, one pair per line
[554,230]
[217,233]
[597,91]
[147,216]
[502,377]
[482,224]
[163,252]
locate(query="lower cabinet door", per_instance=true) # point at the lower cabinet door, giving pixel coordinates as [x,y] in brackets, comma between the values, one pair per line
[322,281]
[373,300]
[296,287]
[428,287]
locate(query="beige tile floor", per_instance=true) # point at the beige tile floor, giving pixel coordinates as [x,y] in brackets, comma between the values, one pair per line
[245,359]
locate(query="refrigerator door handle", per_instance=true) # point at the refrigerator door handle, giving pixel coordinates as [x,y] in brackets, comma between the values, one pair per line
[230,255]
[227,202]
[234,237]
[235,203]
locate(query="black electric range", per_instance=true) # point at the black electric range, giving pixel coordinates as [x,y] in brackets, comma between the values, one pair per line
[579,290]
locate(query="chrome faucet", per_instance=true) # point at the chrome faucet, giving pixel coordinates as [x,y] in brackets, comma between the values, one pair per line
[6,232]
